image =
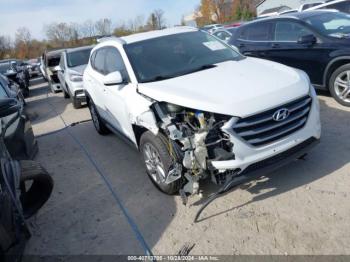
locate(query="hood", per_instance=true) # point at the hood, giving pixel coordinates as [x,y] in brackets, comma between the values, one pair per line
[78,69]
[236,88]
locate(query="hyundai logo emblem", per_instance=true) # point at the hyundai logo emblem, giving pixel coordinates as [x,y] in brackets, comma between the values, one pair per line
[281,115]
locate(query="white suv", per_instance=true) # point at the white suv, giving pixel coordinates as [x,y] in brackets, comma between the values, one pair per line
[195,108]
[72,65]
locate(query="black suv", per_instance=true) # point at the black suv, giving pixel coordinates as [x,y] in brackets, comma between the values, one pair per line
[317,42]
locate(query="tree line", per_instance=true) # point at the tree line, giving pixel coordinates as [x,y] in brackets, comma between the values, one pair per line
[224,11]
[64,35]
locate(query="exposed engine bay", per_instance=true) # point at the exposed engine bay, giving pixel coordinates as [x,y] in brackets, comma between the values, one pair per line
[195,138]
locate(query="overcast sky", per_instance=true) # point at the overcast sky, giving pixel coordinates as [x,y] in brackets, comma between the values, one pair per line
[34,14]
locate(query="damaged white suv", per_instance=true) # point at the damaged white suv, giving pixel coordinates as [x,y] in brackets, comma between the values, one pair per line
[195,108]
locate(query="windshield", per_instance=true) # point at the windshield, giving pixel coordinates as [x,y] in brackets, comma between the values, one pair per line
[53,61]
[335,24]
[78,58]
[175,55]
[4,67]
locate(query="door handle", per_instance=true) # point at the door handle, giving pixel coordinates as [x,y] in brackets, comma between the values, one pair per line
[274,45]
[248,53]
[241,45]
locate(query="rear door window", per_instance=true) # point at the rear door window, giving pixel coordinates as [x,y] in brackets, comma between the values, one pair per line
[256,32]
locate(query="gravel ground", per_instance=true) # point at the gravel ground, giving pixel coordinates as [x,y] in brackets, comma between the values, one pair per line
[303,208]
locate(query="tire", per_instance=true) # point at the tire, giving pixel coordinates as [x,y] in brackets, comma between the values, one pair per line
[40,189]
[340,83]
[100,126]
[65,94]
[157,143]
[76,103]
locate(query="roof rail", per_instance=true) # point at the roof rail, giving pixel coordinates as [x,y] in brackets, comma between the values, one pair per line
[111,37]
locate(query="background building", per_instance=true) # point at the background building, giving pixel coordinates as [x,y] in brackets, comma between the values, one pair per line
[272,6]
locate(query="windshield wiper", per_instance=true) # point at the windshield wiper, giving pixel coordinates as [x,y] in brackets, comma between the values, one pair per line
[158,78]
[201,68]
[165,77]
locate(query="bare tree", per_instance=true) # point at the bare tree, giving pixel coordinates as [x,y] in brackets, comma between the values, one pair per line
[23,35]
[103,26]
[60,33]
[22,42]
[137,24]
[152,22]
[5,46]
[159,14]
[87,29]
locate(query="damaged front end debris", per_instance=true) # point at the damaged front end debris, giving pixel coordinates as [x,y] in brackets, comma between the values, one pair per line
[195,138]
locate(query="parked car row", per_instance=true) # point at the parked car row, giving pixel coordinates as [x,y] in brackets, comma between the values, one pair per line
[24,185]
[64,69]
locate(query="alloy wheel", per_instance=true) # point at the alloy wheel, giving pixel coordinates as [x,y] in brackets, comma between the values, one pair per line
[342,86]
[153,163]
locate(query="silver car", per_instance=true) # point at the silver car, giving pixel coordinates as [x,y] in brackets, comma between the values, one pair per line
[72,65]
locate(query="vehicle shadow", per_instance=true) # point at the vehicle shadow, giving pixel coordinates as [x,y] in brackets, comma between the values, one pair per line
[321,161]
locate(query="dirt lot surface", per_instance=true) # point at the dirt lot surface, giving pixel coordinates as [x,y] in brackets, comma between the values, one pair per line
[303,208]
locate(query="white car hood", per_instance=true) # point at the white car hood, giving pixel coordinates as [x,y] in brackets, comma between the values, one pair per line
[236,88]
[78,69]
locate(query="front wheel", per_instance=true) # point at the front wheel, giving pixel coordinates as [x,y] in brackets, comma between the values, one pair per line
[158,162]
[100,126]
[339,85]
[65,94]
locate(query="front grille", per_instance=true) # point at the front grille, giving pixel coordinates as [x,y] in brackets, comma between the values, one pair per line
[55,79]
[280,157]
[262,129]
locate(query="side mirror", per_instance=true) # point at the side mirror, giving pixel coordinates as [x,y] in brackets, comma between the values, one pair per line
[9,106]
[114,78]
[307,40]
